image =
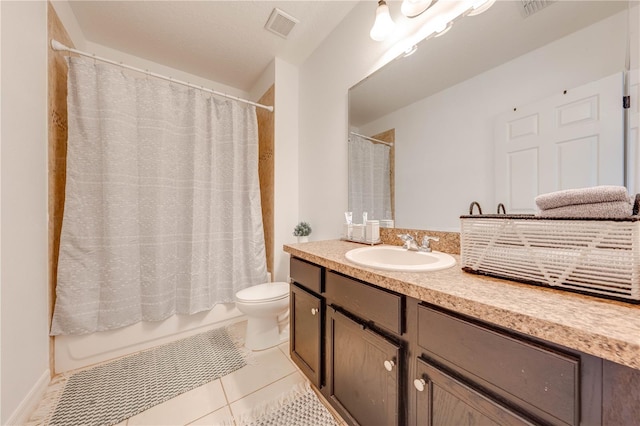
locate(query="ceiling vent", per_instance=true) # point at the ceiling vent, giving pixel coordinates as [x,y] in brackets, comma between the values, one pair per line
[280,23]
[529,7]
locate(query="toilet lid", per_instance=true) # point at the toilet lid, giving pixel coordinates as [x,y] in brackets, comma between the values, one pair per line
[264,292]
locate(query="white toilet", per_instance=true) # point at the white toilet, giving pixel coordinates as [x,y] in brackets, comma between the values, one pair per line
[262,304]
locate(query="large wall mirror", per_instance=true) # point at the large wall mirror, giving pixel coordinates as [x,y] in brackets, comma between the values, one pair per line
[453,108]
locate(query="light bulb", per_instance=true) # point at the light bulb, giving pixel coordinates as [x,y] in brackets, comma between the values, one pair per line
[413,8]
[383,25]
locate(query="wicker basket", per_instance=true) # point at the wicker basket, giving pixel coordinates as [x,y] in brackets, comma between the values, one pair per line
[594,256]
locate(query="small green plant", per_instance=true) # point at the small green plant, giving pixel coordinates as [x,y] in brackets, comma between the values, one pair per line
[302,230]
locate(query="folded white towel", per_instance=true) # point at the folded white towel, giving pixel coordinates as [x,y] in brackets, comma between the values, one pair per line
[594,194]
[606,210]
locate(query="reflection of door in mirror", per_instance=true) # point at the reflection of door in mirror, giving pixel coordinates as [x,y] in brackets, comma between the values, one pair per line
[371,175]
[573,139]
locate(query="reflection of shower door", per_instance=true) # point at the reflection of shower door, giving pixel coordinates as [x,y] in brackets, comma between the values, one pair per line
[569,140]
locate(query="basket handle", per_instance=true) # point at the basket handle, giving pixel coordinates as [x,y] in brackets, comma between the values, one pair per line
[501,207]
[475,204]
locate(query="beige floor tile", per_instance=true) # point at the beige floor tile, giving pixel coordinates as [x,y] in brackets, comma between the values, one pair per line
[267,367]
[184,408]
[284,347]
[220,417]
[266,394]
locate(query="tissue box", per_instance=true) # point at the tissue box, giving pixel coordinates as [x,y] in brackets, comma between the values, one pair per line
[372,231]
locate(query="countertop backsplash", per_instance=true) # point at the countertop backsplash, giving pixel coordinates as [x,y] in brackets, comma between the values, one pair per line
[449,241]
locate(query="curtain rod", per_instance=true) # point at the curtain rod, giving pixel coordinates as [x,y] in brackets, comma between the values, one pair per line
[56,45]
[371,139]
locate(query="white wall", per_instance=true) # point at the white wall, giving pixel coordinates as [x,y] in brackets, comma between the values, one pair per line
[24,338]
[451,133]
[343,59]
[286,199]
[68,19]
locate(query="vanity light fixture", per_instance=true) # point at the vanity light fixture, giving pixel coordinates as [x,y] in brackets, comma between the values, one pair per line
[383,24]
[443,30]
[480,6]
[410,51]
[413,8]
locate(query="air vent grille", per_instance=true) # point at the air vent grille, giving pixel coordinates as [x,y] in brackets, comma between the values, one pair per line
[280,23]
[529,7]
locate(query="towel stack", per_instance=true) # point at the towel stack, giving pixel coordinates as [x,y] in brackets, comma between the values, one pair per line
[604,201]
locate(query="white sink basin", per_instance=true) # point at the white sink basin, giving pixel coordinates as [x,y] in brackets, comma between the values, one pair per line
[393,258]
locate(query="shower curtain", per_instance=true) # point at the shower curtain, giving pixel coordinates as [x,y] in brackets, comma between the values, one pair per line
[369,179]
[162,212]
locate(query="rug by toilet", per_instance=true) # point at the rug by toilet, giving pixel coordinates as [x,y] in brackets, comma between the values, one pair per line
[115,391]
[300,407]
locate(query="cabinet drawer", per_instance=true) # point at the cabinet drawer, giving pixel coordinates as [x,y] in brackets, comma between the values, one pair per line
[542,381]
[306,274]
[385,309]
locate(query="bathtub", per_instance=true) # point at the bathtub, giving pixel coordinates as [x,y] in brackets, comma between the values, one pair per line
[73,352]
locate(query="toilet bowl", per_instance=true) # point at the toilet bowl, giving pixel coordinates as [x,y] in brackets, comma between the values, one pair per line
[262,304]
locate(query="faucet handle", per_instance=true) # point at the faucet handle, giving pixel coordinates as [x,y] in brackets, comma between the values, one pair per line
[426,242]
[427,238]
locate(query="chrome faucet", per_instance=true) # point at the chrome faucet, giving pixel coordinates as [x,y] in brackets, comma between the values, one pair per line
[411,244]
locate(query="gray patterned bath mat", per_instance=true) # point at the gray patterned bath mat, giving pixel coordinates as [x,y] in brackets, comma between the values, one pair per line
[301,407]
[118,390]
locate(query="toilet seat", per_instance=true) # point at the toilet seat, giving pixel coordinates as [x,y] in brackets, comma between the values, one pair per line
[262,293]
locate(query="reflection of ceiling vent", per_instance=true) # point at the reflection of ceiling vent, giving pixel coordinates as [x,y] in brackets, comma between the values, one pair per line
[280,23]
[529,7]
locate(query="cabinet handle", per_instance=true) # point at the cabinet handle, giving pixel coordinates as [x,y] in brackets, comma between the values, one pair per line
[314,311]
[419,384]
[389,364]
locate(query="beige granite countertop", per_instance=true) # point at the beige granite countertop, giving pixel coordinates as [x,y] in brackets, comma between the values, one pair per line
[600,327]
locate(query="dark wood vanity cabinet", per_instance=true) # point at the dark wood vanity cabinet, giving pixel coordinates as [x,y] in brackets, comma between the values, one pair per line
[363,372]
[307,315]
[306,307]
[443,399]
[383,358]
[538,381]
[365,351]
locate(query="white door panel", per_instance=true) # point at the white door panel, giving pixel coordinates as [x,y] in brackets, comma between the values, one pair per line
[523,169]
[634,132]
[577,137]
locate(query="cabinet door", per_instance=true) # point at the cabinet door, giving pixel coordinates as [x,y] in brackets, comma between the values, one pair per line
[363,374]
[305,343]
[444,400]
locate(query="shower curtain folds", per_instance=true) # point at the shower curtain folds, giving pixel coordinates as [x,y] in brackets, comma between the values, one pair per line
[162,212]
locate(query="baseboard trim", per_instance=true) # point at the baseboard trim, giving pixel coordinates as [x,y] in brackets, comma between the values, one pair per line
[30,402]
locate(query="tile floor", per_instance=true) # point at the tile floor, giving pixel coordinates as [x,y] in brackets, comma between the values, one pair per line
[269,374]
